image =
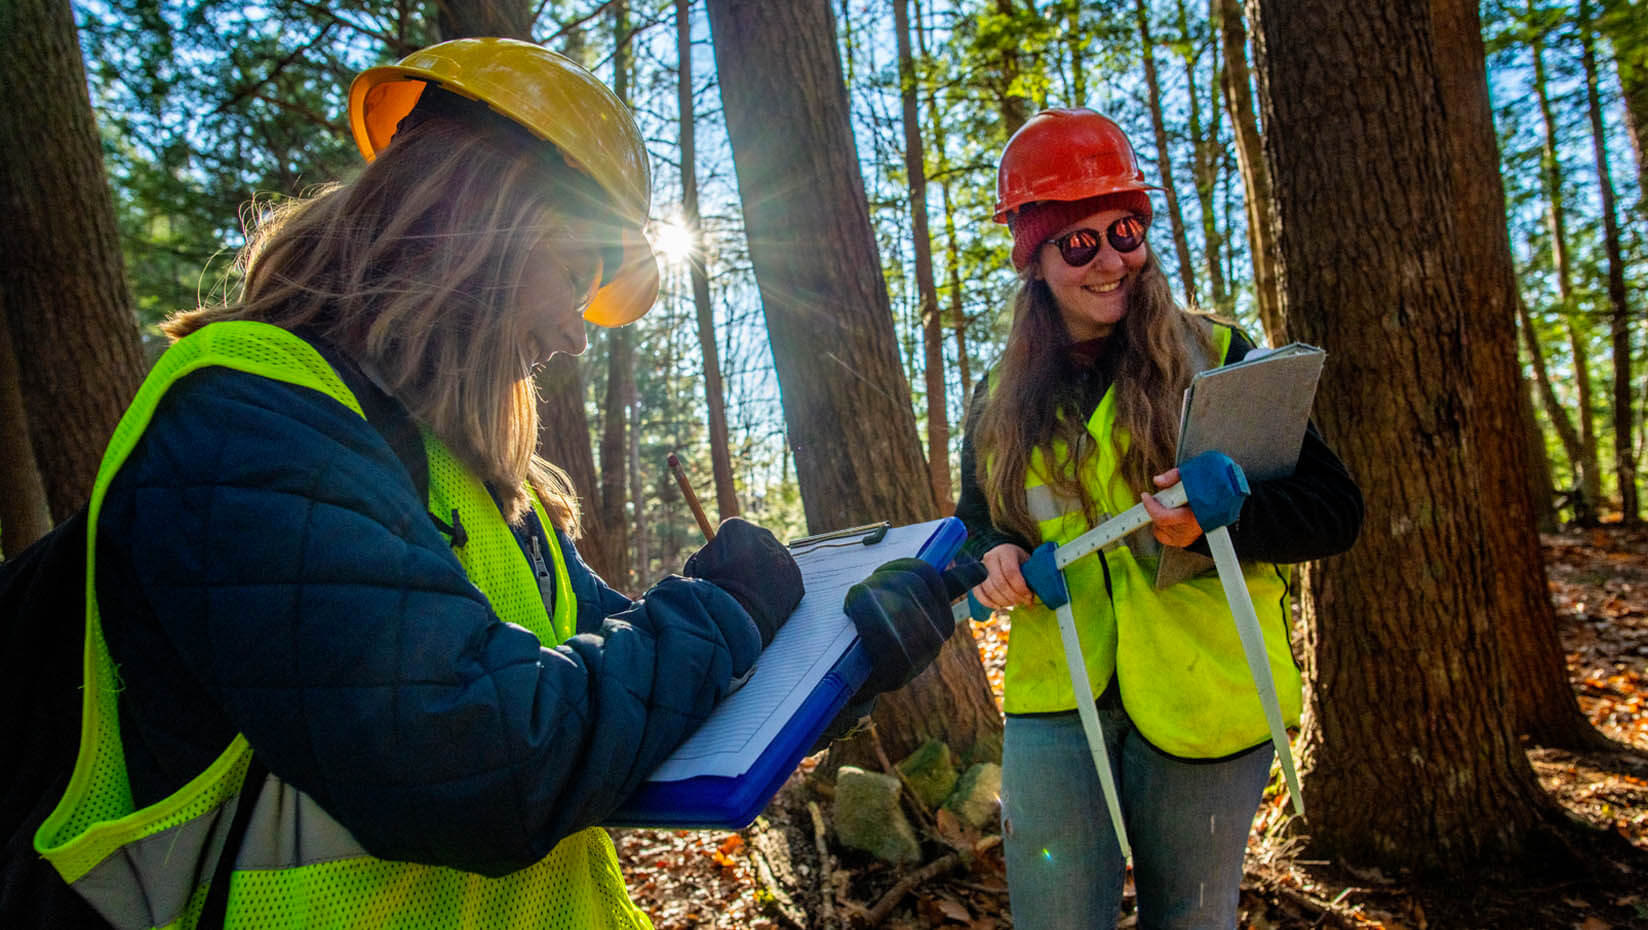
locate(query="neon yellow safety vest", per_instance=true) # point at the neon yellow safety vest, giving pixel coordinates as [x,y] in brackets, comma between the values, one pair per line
[1179,665]
[297,867]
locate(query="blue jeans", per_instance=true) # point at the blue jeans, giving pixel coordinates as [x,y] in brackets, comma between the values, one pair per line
[1188,823]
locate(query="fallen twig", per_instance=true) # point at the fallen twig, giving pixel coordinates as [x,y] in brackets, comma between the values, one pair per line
[909,882]
[826,867]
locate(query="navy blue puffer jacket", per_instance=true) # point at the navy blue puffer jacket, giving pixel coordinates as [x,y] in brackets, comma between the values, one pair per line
[265,567]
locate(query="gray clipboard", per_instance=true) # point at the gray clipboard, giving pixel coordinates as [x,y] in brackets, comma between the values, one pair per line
[1255,411]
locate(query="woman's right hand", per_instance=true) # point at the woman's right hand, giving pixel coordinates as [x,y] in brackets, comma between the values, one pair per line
[1005,587]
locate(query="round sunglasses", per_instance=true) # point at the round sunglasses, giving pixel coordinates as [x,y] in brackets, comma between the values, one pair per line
[1080,246]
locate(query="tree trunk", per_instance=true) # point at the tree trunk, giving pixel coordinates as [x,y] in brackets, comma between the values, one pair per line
[1545,707]
[1204,164]
[1250,157]
[24,516]
[611,513]
[62,284]
[563,438]
[1164,159]
[715,403]
[844,395]
[1625,456]
[456,19]
[1622,25]
[952,246]
[1015,108]
[1540,486]
[932,327]
[1398,635]
[1554,410]
[1587,469]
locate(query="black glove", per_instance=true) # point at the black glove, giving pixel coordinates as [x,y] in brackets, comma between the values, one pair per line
[902,612]
[750,563]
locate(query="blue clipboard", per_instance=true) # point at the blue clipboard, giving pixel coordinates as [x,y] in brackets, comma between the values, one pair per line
[732,802]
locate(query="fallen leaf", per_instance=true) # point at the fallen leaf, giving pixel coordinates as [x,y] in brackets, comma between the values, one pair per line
[953,910]
[1595,923]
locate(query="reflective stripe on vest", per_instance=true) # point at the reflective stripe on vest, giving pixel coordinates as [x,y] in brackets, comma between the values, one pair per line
[296,866]
[1179,665]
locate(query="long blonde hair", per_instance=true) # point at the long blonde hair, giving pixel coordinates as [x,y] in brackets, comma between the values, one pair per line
[1035,401]
[414,268]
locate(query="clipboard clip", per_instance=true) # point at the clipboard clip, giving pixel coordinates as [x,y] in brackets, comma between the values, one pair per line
[867,535]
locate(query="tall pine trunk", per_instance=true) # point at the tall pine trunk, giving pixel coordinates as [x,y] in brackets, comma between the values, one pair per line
[1399,634]
[1619,317]
[1587,470]
[62,283]
[1164,158]
[1250,157]
[715,402]
[1546,710]
[24,516]
[932,326]
[1205,154]
[844,395]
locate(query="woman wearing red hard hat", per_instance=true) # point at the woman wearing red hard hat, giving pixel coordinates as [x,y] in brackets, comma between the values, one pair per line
[1077,421]
[344,665]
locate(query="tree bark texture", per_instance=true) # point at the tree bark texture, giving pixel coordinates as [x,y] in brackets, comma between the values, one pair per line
[24,516]
[932,327]
[62,283]
[845,398]
[1250,159]
[1409,750]
[563,439]
[1546,709]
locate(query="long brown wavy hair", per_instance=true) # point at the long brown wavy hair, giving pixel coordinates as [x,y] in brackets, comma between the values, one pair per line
[1035,401]
[414,269]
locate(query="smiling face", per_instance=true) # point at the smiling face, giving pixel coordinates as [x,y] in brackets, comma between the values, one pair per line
[1092,298]
[559,279]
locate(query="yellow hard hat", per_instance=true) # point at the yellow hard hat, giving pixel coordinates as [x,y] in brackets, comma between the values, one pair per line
[557,101]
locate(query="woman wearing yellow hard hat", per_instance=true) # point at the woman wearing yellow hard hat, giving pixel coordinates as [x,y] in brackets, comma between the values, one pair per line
[364,679]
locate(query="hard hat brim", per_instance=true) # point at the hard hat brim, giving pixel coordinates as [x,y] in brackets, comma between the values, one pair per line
[629,294]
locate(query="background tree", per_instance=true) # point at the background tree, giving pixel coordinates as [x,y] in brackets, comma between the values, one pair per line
[1257,202]
[816,264]
[932,326]
[1406,613]
[1545,707]
[1164,160]
[62,286]
[1625,464]
[715,404]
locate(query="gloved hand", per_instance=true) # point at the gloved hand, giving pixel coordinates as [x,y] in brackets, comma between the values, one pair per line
[902,612]
[750,563]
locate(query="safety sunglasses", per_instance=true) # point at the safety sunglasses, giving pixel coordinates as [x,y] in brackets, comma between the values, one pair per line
[1080,246]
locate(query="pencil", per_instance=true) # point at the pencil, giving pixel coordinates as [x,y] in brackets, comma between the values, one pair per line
[692,499]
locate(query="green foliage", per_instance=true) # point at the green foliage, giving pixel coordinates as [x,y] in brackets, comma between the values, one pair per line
[204,105]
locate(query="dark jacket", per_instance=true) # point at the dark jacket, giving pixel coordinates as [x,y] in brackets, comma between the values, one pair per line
[1315,512]
[265,567]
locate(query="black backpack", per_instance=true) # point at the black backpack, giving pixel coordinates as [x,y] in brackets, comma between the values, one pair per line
[42,640]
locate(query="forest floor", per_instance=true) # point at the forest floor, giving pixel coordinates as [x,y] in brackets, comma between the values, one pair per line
[769,875]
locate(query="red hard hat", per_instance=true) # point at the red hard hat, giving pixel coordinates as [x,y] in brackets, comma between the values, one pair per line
[1065,154]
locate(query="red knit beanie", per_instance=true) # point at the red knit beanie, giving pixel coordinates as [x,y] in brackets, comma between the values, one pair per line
[1034,223]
